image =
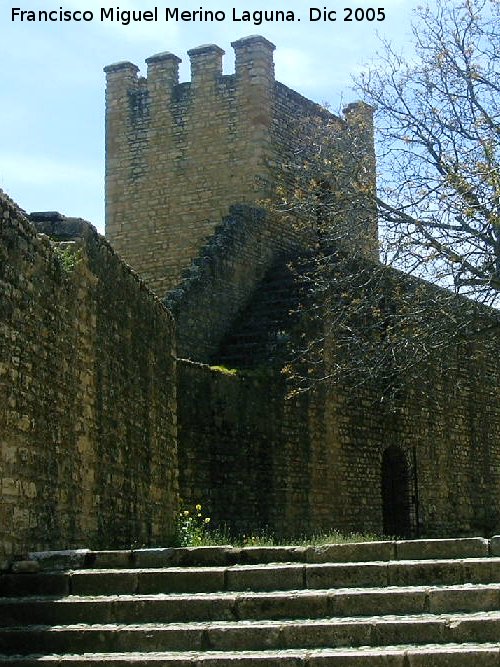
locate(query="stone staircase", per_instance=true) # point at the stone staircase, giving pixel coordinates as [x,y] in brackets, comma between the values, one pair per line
[415,603]
[261,333]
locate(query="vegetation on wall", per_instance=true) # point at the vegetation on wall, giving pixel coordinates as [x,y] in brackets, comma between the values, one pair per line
[68,255]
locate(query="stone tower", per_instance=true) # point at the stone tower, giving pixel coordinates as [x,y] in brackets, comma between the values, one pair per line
[179,154]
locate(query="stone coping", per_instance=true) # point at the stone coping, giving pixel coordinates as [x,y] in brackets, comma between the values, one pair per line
[470,547]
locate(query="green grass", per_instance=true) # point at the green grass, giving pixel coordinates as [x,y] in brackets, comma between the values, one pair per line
[195,529]
[264,539]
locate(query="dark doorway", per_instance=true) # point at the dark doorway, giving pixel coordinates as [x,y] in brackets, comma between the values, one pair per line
[397,496]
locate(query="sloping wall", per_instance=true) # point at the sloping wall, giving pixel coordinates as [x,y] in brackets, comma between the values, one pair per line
[87,394]
[223,277]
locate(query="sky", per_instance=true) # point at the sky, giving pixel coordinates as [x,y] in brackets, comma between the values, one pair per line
[52,93]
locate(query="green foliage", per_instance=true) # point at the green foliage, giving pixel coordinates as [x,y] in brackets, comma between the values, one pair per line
[267,539]
[192,528]
[195,529]
[224,370]
[68,256]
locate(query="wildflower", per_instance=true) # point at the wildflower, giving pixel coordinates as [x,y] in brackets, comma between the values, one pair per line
[198,508]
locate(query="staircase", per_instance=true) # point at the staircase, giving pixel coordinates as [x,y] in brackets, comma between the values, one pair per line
[416,603]
[261,334]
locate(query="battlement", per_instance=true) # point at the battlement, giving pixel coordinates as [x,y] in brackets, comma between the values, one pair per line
[180,154]
[253,64]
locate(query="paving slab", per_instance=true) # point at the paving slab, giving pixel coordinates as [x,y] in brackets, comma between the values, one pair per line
[256,555]
[406,630]
[155,558]
[370,603]
[482,571]
[276,606]
[351,552]
[109,559]
[466,656]
[418,573]
[342,575]
[463,598]
[95,582]
[277,577]
[34,584]
[495,545]
[468,547]
[181,580]
[25,567]
[255,635]
[289,604]
[397,656]
[69,559]
[251,659]
[182,556]
[186,659]
[366,658]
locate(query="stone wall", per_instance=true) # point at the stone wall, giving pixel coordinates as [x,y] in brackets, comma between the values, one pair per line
[440,415]
[243,451]
[178,155]
[87,393]
[447,429]
[224,276]
[324,172]
[315,462]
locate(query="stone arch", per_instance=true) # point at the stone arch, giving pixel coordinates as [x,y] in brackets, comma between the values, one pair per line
[398,495]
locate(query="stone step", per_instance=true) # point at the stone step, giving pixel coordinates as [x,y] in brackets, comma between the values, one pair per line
[254,635]
[469,547]
[283,576]
[417,603]
[269,310]
[432,655]
[175,608]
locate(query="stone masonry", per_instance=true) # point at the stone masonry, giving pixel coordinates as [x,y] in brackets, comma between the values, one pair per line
[178,155]
[87,392]
[127,393]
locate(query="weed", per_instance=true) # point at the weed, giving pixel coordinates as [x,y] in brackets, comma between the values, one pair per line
[68,255]
[192,527]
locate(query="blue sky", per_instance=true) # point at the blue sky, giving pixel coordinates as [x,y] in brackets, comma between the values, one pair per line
[52,93]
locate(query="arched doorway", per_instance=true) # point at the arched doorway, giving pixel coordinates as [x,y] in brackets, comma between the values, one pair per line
[397,496]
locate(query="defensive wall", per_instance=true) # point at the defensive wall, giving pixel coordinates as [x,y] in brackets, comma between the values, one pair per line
[91,386]
[424,462]
[87,392]
[224,276]
[92,454]
[178,155]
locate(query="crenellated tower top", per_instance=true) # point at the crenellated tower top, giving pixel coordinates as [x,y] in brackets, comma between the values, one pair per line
[179,154]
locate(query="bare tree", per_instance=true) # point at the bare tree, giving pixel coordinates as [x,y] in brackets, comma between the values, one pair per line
[438,128]
[438,206]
